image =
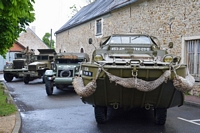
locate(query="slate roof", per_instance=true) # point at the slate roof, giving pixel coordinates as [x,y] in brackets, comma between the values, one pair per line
[94,10]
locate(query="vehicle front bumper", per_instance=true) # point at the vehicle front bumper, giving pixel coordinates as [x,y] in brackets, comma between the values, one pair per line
[31,74]
[18,72]
[65,80]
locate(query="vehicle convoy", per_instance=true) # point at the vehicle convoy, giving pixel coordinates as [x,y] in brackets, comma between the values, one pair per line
[65,68]
[18,65]
[132,71]
[37,68]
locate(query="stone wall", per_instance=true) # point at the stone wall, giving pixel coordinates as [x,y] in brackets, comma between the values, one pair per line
[169,20]
[30,39]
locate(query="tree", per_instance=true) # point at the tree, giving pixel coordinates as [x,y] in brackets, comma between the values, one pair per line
[90,1]
[74,9]
[47,40]
[15,15]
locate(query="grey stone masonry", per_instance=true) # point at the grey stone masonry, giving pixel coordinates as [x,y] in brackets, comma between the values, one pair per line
[174,21]
[169,20]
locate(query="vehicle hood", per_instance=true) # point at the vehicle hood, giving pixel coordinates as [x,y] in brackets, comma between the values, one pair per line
[66,66]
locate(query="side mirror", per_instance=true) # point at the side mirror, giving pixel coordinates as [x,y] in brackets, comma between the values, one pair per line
[171,44]
[90,41]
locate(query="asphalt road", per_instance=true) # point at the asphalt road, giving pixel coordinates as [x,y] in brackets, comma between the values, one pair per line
[64,112]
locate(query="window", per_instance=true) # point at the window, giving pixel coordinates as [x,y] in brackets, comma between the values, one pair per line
[82,50]
[193,56]
[99,27]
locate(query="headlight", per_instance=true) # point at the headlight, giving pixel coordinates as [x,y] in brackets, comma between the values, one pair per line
[98,58]
[168,58]
[76,69]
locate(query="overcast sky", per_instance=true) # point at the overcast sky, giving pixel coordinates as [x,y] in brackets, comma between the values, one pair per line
[53,14]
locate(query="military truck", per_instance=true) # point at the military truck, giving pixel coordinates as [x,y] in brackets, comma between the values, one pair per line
[37,68]
[65,68]
[18,65]
[131,71]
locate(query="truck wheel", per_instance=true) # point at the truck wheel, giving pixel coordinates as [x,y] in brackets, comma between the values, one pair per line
[43,78]
[26,80]
[8,77]
[100,114]
[160,115]
[49,87]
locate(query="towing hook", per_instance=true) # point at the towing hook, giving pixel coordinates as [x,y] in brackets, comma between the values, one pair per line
[147,106]
[115,105]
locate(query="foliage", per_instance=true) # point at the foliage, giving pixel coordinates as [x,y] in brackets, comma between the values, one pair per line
[15,15]
[90,1]
[47,40]
[6,109]
[74,9]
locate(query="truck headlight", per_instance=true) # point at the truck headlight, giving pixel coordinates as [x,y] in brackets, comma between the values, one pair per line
[168,58]
[98,58]
[76,69]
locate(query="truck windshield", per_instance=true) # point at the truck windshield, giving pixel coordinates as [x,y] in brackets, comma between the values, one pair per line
[66,61]
[17,56]
[130,40]
[39,57]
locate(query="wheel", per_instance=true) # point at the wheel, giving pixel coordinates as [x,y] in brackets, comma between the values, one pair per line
[43,78]
[160,115]
[8,77]
[26,79]
[49,87]
[100,114]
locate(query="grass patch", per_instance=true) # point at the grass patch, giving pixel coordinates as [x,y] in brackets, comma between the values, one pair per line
[187,93]
[5,108]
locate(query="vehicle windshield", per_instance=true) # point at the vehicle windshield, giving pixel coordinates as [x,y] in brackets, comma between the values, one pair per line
[136,39]
[66,61]
[19,55]
[42,57]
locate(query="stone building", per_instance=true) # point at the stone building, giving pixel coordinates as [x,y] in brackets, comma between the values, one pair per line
[176,21]
[30,39]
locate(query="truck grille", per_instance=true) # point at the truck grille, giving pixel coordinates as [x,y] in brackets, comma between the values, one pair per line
[31,68]
[18,64]
[65,73]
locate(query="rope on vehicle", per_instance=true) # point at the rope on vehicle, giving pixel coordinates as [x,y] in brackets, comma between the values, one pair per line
[180,83]
[89,89]
[137,83]
[183,84]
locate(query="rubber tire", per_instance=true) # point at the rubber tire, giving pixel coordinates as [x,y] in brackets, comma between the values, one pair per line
[49,87]
[26,79]
[100,114]
[160,115]
[8,77]
[43,78]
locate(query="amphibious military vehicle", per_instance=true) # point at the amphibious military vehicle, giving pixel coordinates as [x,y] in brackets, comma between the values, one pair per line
[131,71]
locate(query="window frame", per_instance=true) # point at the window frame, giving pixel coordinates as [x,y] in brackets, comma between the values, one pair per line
[99,27]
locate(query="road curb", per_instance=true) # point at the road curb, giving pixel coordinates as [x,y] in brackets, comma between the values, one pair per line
[17,127]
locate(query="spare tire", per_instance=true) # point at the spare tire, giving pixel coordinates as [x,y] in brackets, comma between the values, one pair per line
[65,73]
